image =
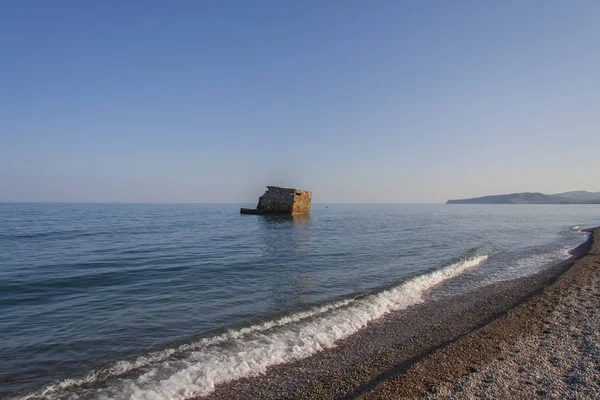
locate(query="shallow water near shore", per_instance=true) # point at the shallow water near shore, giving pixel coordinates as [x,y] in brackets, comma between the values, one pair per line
[165,301]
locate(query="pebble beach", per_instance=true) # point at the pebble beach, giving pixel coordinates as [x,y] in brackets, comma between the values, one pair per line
[537,336]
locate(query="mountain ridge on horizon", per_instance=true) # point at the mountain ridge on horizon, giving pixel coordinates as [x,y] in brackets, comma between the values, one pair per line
[573,197]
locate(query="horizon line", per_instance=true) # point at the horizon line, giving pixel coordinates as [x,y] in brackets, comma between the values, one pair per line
[189,202]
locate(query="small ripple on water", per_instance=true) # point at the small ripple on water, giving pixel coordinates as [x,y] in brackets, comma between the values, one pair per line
[143,277]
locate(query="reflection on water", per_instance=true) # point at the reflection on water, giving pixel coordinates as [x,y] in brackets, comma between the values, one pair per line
[287,232]
[287,240]
[301,220]
[301,231]
[297,219]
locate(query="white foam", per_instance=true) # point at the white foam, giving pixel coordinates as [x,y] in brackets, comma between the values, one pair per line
[249,351]
[526,266]
[122,367]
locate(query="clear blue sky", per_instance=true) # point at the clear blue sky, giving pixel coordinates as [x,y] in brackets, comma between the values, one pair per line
[359,101]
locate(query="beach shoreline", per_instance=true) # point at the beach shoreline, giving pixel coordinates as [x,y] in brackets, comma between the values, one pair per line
[424,349]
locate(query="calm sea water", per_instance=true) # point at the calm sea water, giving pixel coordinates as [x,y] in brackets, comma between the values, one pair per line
[165,301]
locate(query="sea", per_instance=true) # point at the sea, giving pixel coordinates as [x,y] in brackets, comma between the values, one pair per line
[165,301]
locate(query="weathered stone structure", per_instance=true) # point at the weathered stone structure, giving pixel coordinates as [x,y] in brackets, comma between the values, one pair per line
[284,201]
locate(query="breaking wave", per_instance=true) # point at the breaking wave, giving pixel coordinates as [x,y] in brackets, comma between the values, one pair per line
[194,369]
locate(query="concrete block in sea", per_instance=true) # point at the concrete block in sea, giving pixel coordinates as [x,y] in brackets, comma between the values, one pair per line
[281,201]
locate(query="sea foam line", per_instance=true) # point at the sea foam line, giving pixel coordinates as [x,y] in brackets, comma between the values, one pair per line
[251,350]
[123,367]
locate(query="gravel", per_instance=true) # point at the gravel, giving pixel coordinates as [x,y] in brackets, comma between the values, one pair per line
[561,360]
[532,337]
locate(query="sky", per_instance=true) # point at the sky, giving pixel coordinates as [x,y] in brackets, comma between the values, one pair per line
[359,101]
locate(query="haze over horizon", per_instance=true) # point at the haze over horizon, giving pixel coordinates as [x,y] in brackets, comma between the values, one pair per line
[402,102]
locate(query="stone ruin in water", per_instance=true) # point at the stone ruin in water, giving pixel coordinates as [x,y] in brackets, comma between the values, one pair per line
[282,201]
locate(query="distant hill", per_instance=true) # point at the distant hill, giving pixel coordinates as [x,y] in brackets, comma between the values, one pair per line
[580,195]
[577,197]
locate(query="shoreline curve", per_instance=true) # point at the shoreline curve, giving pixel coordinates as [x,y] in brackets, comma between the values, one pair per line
[414,352]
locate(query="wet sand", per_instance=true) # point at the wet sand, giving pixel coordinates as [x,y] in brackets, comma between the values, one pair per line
[497,341]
